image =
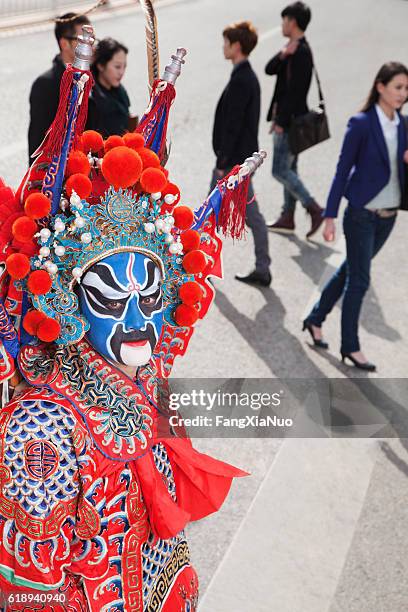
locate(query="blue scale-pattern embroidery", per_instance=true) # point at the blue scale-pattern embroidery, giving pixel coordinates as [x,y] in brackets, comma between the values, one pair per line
[40,420]
[163,466]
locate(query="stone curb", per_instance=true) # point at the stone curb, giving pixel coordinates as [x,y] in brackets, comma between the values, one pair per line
[288,554]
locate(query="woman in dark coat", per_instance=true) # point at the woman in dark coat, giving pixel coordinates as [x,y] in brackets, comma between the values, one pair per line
[370,174]
[109,102]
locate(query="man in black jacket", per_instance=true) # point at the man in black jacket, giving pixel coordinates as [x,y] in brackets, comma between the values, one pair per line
[235,135]
[44,96]
[293,67]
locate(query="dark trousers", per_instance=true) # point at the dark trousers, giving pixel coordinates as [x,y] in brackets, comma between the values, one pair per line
[256,223]
[365,234]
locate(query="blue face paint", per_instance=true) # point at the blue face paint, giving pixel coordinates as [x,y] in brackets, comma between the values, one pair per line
[121,297]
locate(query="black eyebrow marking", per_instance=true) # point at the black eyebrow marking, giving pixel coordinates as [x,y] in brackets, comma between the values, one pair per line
[105,275]
[150,268]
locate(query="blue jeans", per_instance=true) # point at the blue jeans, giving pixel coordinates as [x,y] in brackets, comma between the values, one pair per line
[365,234]
[284,169]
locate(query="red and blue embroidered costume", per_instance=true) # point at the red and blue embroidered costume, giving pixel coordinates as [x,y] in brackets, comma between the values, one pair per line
[95,487]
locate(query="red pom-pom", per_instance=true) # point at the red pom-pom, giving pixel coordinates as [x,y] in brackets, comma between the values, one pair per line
[39,282]
[18,265]
[194,262]
[149,158]
[121,167]
[190,293]
[79,183]
[91,141]
[190,239]
[112,142]
[31,321]
[185,316]
[48,330]
[152,180]
[166,172]
[183,217]
[23,229]
[77,163]
[134,141]
[37,206]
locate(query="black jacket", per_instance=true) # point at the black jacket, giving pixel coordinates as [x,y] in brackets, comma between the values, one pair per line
[44,98]
[108,110]
[294,74]
[235,132]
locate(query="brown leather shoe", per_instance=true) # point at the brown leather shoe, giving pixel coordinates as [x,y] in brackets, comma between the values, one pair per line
[284,225]
[315,211]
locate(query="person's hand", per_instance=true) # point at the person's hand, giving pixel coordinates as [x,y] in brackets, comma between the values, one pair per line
[289,49]
[406,156]
[277,129]
[329,230]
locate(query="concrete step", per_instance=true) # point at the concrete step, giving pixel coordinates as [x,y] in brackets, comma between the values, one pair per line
[289,551]
[375,574]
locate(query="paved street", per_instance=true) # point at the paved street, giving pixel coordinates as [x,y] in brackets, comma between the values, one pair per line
[320,526]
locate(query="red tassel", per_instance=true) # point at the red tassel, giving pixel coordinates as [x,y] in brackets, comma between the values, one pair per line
[160,103]
[231,218]
[57,131]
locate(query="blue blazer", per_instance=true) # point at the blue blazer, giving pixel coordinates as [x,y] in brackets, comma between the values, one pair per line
[363,169]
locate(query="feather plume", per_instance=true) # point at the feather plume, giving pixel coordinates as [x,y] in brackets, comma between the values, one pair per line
[152,41]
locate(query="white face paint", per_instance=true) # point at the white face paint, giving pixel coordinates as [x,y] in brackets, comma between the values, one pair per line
[135,355]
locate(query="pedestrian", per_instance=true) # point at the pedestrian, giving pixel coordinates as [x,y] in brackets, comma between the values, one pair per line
[293,66]
[108,111]
[370,174]
[44,95]
[235,135]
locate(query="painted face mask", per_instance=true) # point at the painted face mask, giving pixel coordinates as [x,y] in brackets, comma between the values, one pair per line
[121,297]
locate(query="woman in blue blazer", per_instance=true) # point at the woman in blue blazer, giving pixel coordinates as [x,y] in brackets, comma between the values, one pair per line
[370,174]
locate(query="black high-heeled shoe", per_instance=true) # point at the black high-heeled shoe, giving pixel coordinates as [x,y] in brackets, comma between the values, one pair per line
[316,341]
[361,365]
